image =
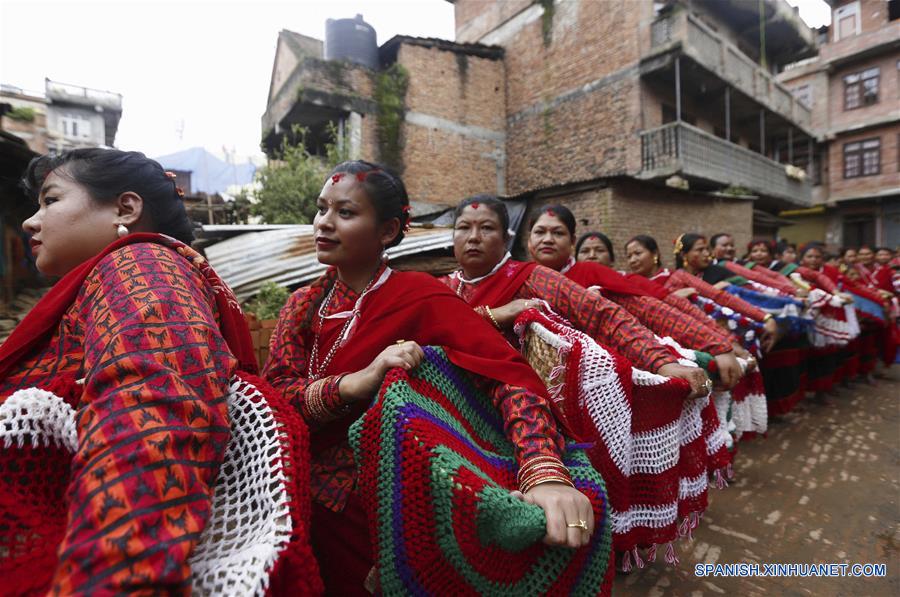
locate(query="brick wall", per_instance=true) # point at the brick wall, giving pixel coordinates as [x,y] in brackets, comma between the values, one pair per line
[627,208]
[890,163]
[453,138]
[475,18]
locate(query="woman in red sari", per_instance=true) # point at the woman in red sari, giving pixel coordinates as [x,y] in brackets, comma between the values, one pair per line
[550,241]
[337,338]
[492,281]
[116,394]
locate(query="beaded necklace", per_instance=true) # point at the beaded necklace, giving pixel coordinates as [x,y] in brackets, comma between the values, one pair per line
[315,369]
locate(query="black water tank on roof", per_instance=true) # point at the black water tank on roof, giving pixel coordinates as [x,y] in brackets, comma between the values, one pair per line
[352,40]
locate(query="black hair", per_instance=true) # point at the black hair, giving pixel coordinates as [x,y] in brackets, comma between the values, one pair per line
[560,211]
[599,236]
[715,238]
[385,190]
[809,246]
[687,243]
[107,173]
[769,245]
[492,203]
[648,242]
[883,249]
[783,246]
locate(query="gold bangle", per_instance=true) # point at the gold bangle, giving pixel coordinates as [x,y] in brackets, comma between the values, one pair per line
[767,317]
[493,320]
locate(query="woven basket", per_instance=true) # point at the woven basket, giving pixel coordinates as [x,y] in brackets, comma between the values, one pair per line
[541,355]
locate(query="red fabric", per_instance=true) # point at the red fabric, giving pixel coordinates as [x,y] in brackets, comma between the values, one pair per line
[884,278]
[138,317]
[500,288]
[819,279]
[45,315]
[344,537]
[762,275]
[603,320]
[589,274]
[396,311]
[682,279]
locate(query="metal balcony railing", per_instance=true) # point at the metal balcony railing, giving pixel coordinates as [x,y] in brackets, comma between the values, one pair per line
[726,61]
[679,148]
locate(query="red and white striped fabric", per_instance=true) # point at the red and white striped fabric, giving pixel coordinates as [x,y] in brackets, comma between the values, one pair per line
[654,448]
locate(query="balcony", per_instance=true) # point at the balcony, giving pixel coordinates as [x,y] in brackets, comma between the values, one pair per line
[62,93]
[681,34]
[679,148]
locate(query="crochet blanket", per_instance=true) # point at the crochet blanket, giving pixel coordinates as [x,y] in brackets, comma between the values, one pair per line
[654,448]
[436,471]
[256,540]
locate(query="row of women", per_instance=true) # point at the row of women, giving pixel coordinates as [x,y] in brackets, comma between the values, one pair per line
[513,428]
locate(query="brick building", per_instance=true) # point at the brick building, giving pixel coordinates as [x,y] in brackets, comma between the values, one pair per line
[853,88]
[641,116]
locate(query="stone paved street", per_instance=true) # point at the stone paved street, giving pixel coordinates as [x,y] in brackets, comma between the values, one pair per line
[823,487]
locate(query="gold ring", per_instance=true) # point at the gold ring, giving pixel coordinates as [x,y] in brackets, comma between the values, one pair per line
[581,524]
[708,385]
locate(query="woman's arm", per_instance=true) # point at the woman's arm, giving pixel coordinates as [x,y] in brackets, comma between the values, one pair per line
[152,425]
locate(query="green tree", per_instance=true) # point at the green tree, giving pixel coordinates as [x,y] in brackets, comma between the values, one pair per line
[290,184]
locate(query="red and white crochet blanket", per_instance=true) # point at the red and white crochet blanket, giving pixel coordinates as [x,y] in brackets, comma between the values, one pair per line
[654,448]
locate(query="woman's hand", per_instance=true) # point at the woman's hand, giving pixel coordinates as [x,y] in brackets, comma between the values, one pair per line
[562,505]
[693,375]
[685,292]
[506,315]
[363,384]
[729,370]
[770,334]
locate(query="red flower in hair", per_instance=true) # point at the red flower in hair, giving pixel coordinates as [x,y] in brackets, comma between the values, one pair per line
[180,192]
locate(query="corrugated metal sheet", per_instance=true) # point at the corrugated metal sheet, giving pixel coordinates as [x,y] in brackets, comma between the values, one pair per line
[288,256]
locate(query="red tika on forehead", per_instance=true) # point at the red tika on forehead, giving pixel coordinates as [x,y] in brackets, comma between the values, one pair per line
[337,178]
[474,205]
[550,213]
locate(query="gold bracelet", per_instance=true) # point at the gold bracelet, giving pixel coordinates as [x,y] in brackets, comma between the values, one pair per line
[555,479]
[493,320]
[767,317]
[532,462]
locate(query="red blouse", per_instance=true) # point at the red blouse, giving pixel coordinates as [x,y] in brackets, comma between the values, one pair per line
[152,420]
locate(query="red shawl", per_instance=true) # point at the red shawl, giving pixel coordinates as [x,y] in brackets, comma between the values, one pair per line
[415,306]
[589,274]
[43,319]
[500,288]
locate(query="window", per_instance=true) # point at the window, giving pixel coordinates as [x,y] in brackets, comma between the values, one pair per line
[803,95]
[861,89]
[72,126]
[862,158]
[846,19]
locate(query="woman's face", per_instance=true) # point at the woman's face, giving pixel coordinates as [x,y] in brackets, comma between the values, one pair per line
[789,255]
[812,259]
[850,256]
[724,248]
[640,259]
[593,249]
[550,243]
[346,228]
[698,258]
[883,256]
[759,253]
[865,256]
[69,227]
[479,242]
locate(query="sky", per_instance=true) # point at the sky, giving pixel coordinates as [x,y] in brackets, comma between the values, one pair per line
[195,72]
